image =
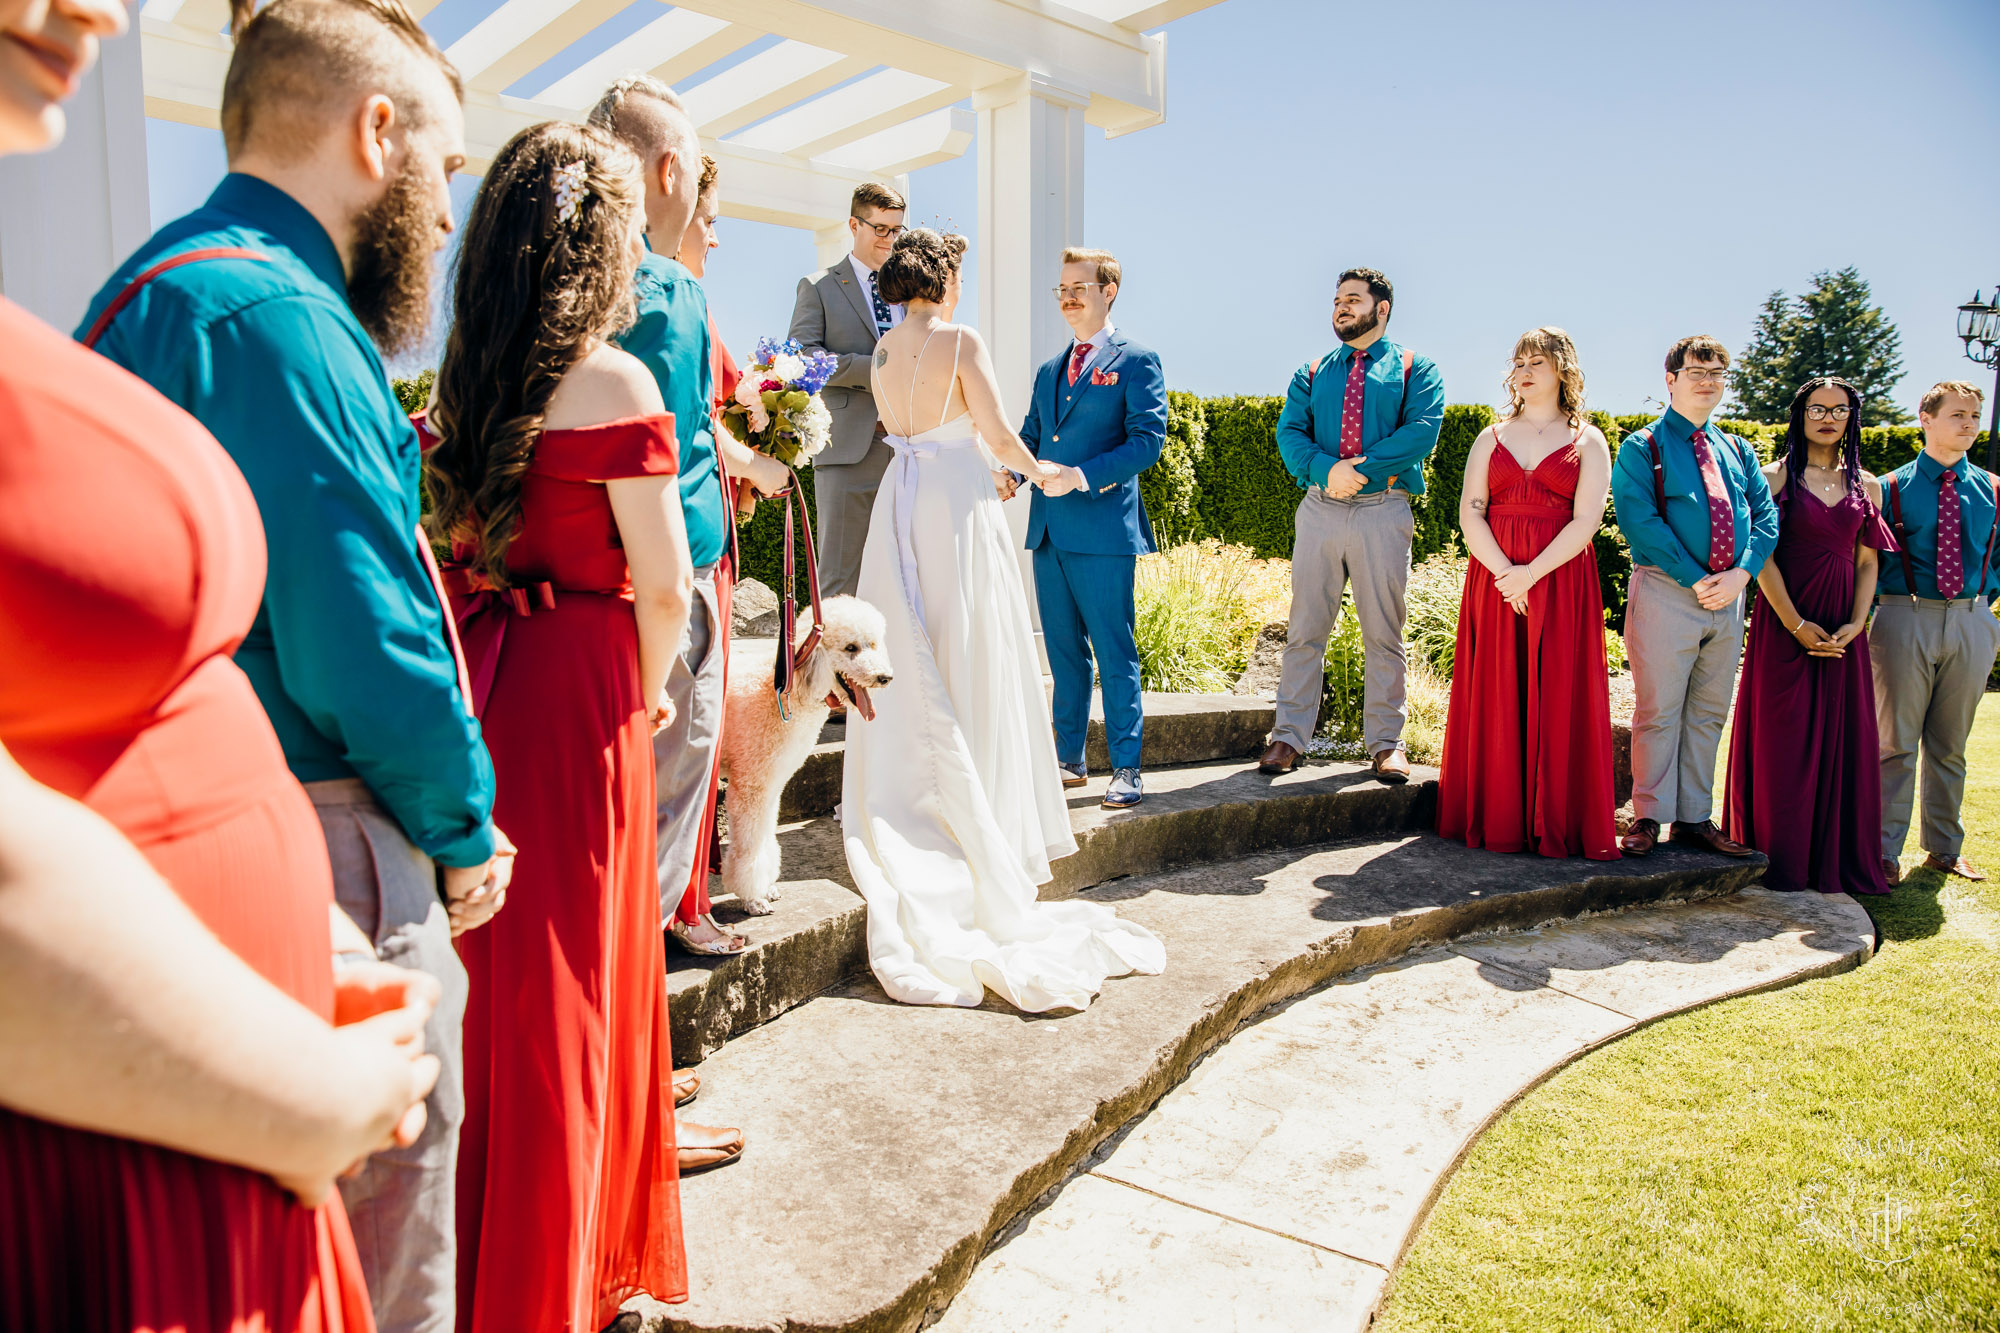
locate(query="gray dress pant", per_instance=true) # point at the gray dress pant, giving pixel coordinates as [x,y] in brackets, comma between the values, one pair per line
[402,1205]
[684,754]
[1364,542]
[1931,663]
[844,494]
[1683,676]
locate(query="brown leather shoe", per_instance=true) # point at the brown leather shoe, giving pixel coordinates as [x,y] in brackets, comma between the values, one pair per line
[687,1086]
[1645,836]
[1392,766]
[1954,865]
[1892,870]
[702,1147]
[1279,758]
[1706,834]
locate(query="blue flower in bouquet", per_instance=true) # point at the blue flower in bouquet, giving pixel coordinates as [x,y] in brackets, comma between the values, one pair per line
[778,409]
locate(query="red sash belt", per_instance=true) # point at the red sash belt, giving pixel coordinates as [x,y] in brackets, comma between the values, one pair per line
[479,611]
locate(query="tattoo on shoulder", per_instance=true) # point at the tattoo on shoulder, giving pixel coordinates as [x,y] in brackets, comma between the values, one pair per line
[881,357]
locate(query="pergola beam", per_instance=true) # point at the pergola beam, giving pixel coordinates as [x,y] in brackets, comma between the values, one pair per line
[769,81]
[520,35]
[885,98]
[671,48]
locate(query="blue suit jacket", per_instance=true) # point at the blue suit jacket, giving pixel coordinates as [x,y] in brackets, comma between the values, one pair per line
[1112,423]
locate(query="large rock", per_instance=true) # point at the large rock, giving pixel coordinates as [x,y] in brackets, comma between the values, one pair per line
[1260,674]
[753,611]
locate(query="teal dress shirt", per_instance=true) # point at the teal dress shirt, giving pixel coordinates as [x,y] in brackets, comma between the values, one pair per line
[1399,421]
[348,653]
[1917,492]
[671,336]
[1678,542]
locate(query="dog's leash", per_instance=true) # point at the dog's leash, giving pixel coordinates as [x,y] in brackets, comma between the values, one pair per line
[791,662]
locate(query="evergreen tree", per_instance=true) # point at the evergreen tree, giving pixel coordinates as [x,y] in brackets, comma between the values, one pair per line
[1834,329]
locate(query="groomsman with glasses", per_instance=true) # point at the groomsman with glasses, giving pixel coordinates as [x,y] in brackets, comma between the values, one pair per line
[1934,637]
[840,310]
[1355,431]
[1698,515]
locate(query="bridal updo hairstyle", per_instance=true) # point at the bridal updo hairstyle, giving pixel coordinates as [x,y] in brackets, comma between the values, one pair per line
[535,286]
[921,265]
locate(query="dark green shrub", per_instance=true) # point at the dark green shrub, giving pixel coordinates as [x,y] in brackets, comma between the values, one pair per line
[1436,510]
[414,392]
[1170,487]
[1245,495]
[760,543]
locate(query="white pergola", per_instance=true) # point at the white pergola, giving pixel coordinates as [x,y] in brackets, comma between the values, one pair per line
[834,92]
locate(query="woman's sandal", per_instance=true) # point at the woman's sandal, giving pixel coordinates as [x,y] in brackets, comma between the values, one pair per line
[687,1086]
[704,1147]
[730,943]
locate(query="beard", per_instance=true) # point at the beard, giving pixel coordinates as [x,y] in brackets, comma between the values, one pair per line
[389,288]
[1360,328]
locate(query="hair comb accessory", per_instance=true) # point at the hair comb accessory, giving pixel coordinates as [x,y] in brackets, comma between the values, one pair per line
[570,191]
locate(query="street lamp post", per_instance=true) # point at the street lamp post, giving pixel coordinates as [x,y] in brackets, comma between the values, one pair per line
[1979,327]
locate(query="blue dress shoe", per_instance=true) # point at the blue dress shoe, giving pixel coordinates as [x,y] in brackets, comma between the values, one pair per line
[1073,775]
[1125,791]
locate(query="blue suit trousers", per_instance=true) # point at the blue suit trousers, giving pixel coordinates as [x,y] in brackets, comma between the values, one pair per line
[1086,605]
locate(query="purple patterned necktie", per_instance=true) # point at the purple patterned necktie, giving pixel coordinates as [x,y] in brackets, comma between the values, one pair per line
[1721,517]
[1351,406]
[1950,542]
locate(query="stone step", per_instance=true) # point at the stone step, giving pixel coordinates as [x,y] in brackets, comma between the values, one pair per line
[889,1145]
[1193,814]
[1281,1185]
[1180,729]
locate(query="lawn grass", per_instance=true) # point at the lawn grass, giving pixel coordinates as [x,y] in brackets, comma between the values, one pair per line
[1821,1157]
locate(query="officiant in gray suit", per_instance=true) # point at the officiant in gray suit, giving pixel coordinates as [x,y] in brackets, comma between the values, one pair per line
[840,310]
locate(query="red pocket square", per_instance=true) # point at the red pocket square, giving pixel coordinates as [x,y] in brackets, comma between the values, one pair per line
[1100,377]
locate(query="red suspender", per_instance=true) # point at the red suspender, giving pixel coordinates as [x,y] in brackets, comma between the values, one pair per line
[124,298]
[1902,536]
[1312,372]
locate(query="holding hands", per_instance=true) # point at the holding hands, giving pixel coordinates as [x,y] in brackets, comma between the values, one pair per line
[1719,590]
[1057,478]
[1345,479]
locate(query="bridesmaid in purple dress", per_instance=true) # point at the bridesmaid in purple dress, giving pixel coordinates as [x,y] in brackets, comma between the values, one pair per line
[1804,783]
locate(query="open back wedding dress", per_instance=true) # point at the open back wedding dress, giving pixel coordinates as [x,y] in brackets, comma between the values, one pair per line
[951,806]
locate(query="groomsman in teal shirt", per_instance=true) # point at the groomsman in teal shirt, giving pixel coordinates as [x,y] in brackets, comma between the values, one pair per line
[1934,636]
[1698,516]
[1356,429]
[343,125]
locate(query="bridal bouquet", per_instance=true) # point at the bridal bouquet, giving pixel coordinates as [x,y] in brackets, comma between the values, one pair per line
[777,408]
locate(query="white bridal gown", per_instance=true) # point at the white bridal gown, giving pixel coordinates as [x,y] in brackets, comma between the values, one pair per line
[951,805]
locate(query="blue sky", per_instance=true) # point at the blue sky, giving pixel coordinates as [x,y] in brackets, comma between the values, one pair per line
[1631,172]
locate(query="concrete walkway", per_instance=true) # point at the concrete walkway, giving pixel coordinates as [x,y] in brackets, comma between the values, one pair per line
[1281,1184]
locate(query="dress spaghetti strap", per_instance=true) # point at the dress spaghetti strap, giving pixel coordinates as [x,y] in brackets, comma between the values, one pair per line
[957,341]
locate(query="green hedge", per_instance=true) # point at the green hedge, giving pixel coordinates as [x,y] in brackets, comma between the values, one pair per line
[1220,476]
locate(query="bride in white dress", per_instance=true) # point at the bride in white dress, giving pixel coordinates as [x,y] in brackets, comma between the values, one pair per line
[952,806]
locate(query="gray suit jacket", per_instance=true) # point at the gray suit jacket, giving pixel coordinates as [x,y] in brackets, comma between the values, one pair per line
[832,314]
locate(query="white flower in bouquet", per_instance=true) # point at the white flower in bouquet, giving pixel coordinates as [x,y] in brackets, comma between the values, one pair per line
[788,367]
[814,425]
[749,390]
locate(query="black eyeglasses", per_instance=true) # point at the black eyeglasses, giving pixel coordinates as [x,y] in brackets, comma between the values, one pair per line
[1818,413]
[886,230]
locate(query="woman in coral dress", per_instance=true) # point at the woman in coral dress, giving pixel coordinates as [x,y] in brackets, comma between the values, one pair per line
[1527,747]
[1804,783]
[553,475]
[133,562]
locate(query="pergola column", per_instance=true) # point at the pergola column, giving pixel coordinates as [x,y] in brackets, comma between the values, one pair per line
[1030,207]
[67,217]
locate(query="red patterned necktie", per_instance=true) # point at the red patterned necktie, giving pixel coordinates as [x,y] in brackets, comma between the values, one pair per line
[1950,542]
[1351,406]
[1076,360]
[1721,517]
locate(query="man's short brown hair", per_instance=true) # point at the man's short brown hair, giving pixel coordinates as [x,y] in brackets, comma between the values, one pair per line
[1935,395]
[1695,347]
[298,61]
[1108,270]
[880,198]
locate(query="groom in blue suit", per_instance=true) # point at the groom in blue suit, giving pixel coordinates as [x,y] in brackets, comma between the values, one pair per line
[1100,410]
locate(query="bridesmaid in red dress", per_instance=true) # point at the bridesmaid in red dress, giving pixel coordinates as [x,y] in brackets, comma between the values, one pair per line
[1527,745]
[552,475]
[134,564]
[1804,783]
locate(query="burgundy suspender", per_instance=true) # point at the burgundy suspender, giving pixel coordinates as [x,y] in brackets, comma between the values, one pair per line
[171,262]
[1312,373]
[1902,537]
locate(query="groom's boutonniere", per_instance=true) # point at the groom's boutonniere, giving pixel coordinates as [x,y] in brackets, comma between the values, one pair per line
[1100,377]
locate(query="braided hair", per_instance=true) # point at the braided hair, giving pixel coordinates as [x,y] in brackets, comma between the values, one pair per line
[1795,432]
